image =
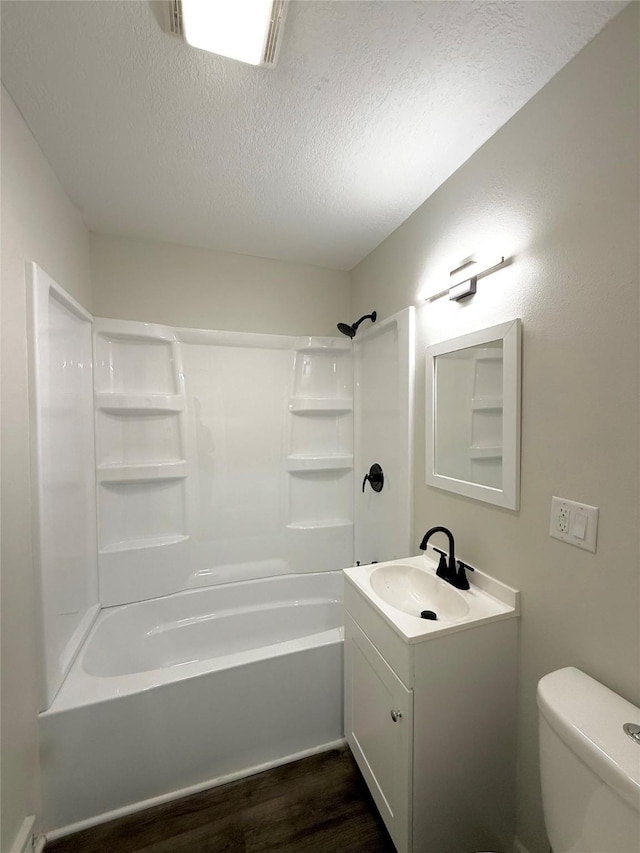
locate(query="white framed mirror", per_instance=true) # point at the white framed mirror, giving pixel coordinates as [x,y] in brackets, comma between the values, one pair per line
[473,415]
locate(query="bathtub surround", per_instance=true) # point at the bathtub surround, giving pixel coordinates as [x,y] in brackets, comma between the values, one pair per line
[556,188]
[190,492]
[63,479]
[220,458]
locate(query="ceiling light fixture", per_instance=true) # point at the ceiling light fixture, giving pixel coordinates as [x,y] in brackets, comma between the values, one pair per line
[246,30]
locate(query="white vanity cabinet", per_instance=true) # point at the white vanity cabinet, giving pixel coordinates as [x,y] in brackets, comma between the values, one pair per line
[431,722]
[379,725]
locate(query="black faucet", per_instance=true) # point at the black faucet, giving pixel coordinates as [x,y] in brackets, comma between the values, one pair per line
[455,575]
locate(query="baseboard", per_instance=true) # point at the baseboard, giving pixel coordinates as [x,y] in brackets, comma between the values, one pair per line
[185,792]
[518,846]
[26,841]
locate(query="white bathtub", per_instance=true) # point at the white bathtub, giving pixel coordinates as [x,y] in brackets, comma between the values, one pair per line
[177,694]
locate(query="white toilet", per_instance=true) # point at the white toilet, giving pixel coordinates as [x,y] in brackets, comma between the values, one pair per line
[589,766]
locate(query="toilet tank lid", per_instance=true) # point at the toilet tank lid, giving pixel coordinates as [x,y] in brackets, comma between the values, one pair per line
[589,719]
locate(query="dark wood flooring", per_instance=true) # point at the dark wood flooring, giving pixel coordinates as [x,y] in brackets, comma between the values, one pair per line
[317,805]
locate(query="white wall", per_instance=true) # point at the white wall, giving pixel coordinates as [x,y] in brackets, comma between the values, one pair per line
[198,288]
[558,188]
[38,223]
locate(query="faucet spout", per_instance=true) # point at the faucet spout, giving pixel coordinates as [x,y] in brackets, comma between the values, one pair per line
[445,571]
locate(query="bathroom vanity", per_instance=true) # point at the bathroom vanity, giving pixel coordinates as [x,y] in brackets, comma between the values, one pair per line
[430,705]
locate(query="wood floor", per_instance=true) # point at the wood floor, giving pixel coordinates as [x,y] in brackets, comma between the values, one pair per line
[317,805]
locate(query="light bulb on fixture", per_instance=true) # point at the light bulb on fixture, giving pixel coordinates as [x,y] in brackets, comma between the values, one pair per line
[246,30]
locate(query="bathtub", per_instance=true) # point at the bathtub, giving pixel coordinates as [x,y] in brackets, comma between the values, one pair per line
[177,694]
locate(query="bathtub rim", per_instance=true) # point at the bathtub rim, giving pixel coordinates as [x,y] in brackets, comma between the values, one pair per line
[80,689]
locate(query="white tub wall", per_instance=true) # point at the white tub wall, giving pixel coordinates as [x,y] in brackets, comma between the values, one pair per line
[62,473]
[40,223]
[383,403]
[159,282]
[238,500]
[558,188]
[183,735]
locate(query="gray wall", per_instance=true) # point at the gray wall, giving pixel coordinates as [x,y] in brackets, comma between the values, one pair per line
[557,187]
[182,286]
[38,223]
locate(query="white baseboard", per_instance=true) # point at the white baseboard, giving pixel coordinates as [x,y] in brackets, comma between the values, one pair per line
[25,841]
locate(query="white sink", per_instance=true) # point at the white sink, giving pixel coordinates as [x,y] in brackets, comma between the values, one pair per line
[399,590]
[413,591]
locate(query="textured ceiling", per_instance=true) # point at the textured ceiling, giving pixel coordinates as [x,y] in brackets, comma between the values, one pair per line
[371,107]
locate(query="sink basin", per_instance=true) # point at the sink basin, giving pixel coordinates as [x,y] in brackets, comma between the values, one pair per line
[399,590]
[413,590]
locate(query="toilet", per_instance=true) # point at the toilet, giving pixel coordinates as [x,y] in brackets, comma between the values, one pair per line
[589,766]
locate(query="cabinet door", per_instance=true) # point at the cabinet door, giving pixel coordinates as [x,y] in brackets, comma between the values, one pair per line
[379,730]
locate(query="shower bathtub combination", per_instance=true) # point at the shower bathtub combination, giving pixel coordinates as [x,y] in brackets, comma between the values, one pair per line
[194,505]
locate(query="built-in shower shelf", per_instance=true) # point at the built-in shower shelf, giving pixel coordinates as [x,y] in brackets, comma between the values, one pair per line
[142,544]
[489,452]
[329,346]
[320,405]
[137,473]
[302,464]
[320,525]
[139,404]
[486,404]
[488,354]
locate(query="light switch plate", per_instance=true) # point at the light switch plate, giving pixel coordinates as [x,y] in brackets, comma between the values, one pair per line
[574,523]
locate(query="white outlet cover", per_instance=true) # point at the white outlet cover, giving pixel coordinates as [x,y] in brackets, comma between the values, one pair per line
[574,523]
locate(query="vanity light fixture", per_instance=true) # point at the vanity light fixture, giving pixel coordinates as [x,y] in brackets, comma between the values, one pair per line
[246,30]
[463,279]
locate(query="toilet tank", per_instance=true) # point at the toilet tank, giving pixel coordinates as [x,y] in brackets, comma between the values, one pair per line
[589,767]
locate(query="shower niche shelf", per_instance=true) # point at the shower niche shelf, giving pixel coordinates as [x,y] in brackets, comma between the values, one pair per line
[141,457]
[139,404]
[320,525]
[320,438]
[479,453]
[320,405]
[137,473]
[310,464]
[143,544]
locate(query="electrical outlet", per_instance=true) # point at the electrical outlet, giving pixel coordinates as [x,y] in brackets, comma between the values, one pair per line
[574,523]
[562,521]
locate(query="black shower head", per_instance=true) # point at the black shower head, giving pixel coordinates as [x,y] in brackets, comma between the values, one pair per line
[347,330]
[350,331]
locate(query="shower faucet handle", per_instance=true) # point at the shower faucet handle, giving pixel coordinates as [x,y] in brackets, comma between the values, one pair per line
[375,478]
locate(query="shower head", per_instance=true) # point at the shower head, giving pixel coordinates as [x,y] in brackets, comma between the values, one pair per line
[347,330]
[350,331]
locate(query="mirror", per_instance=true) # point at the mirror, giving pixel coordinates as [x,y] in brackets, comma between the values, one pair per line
[473,425]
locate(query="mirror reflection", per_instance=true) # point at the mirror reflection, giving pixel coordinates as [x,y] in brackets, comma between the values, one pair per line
[468,407]
[473,416]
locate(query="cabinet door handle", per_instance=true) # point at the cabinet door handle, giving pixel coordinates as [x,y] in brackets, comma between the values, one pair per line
[395,716]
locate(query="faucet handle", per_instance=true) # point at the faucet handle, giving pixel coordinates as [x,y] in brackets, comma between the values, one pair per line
[443,568]
[462,582]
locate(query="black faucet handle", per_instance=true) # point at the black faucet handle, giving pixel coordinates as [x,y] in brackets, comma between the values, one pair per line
[443,567]
[462,582]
